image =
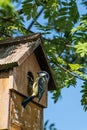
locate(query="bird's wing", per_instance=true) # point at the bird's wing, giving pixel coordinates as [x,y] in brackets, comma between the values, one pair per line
[40,88]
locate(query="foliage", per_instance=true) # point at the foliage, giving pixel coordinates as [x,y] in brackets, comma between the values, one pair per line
[51,126]
[64,31]
[81,49]
[84,96]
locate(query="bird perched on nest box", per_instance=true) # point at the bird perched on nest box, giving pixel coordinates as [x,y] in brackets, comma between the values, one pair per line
[38,87]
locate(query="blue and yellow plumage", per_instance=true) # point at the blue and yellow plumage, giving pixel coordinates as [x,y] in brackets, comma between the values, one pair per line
[38,87]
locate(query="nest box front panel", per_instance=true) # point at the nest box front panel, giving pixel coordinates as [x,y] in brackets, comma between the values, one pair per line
[20,81]
[20,74]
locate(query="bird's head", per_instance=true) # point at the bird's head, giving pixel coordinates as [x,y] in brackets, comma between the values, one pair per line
[43,74]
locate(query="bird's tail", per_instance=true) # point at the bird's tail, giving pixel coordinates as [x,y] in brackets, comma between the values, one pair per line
[26,101]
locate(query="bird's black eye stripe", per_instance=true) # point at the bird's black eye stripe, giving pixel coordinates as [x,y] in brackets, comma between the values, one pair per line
[47,75]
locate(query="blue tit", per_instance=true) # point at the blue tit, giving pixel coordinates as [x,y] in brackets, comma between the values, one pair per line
[38,87]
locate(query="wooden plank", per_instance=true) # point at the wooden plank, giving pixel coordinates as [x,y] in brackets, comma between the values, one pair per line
[30,118]
[22,39]
[15,127]
[4,100]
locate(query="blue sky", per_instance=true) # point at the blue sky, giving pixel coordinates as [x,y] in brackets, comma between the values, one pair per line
[67,113]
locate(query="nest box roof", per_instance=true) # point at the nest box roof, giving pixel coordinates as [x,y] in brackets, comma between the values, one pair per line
[14,51]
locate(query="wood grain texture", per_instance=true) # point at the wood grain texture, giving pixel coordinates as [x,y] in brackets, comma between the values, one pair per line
[30,118]
[14,55]
[4,100]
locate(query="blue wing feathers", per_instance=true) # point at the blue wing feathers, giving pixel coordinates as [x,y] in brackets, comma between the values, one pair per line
[40,88]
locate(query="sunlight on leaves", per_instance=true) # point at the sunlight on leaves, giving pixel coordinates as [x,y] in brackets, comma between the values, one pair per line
[81,49]
[75,67]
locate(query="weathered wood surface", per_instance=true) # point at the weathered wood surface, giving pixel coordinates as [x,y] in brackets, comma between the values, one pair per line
[23,39]
[30,118]
[14,55]
[15,127]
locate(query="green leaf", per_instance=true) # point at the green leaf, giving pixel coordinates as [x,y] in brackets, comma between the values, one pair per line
[75,67]
[84,95]
[73,30]
[81,49]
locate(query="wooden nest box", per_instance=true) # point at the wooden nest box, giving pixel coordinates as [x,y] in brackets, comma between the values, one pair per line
[19,57]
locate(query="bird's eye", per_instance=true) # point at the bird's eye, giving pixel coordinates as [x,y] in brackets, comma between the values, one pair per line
[47,76]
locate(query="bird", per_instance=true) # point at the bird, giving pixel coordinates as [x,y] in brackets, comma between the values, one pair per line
[38,87]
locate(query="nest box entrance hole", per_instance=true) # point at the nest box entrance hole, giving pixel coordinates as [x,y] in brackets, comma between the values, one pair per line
[30,79]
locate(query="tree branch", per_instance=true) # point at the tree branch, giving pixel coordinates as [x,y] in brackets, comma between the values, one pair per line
[69,72]
[31,24]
